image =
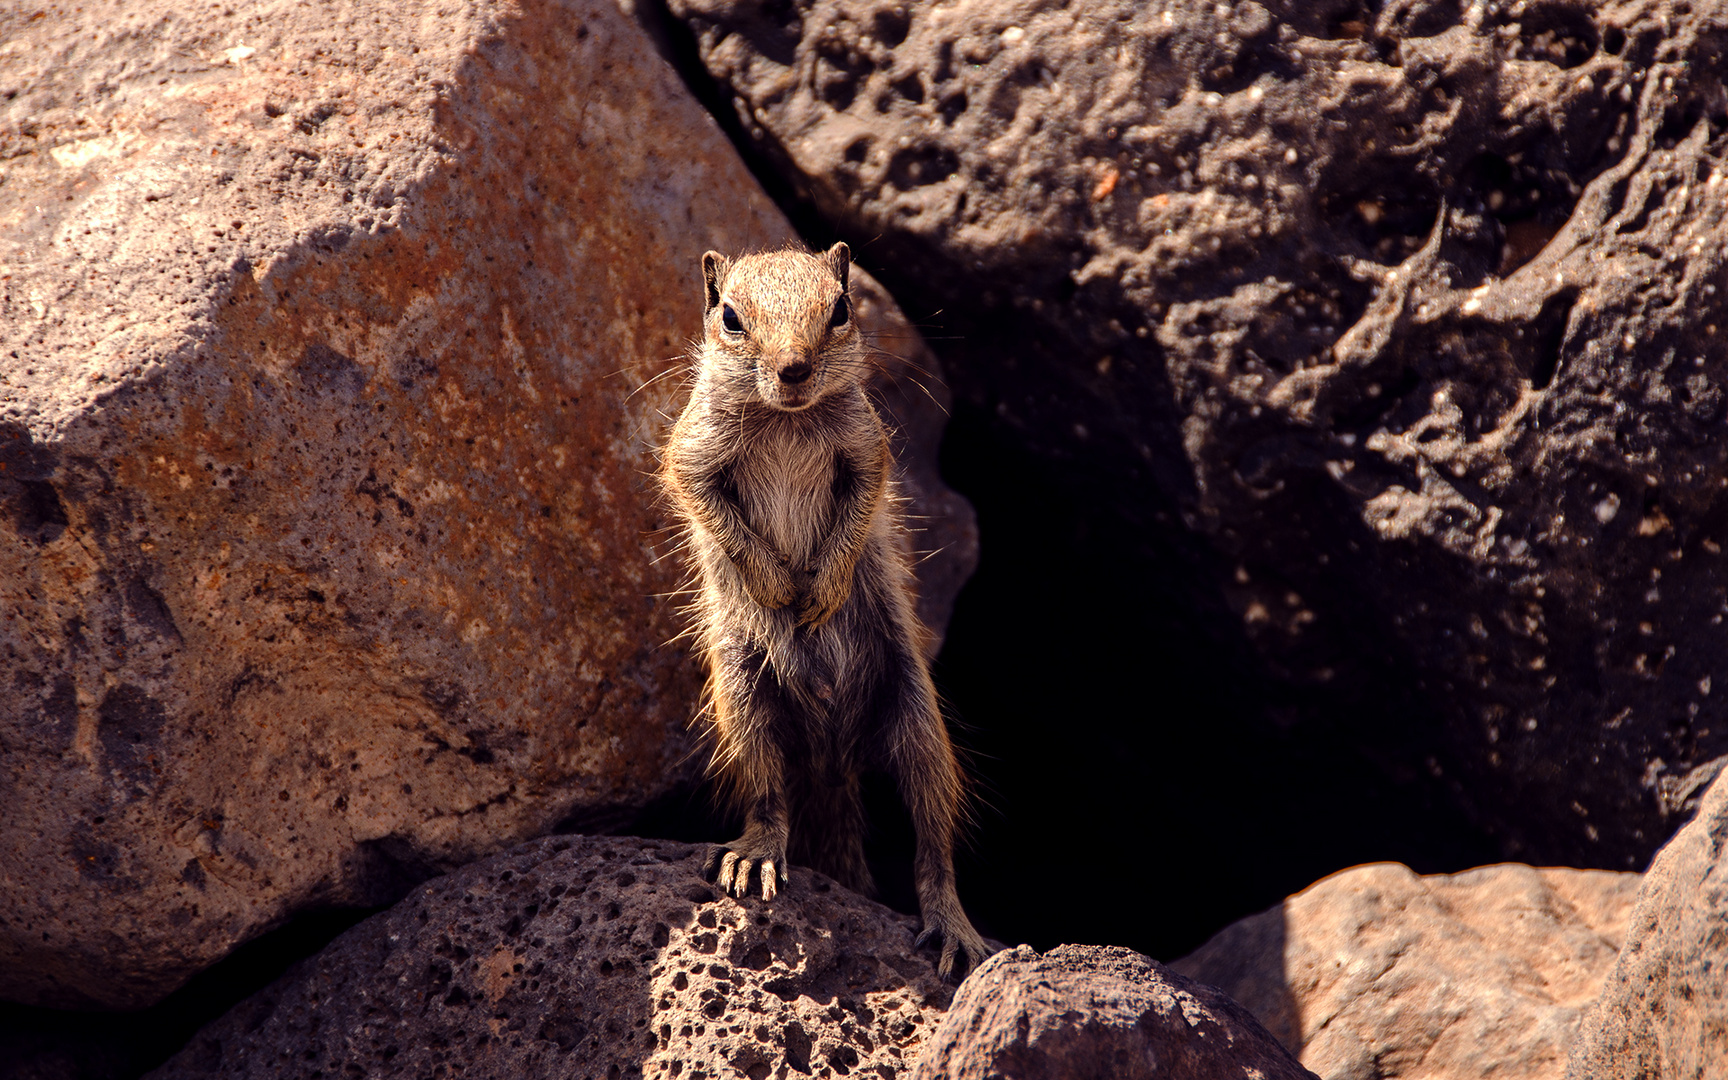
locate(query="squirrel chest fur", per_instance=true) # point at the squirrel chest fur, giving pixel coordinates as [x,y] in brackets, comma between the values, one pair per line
[780,471]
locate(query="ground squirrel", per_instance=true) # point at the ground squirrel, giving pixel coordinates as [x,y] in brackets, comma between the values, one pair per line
[780,470]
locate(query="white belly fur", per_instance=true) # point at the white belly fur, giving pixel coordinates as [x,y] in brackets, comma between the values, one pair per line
[786,485]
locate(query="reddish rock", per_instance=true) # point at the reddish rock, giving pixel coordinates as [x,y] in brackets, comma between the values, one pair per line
[1663,1013]
[1085,1010]
[1375,971]
[329,556]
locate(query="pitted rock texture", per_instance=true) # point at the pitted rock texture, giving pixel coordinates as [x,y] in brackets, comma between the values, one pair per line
[592,957]
[1663,1013]
[1377,972]
[1413,313]
[329,553]
[1088,1010]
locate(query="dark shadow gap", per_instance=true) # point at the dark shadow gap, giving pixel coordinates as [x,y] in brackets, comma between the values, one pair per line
[66,1044]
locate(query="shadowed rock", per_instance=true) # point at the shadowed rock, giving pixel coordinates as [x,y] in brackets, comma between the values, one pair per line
[1401,322]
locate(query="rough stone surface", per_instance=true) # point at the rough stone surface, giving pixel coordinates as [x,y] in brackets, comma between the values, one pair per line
[1087,1010]
[1663,1013]
[576,956]
[328,551]
[1377,972]
[1412,312]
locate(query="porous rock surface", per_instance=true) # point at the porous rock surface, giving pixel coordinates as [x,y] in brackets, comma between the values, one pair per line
[329,554]
[1087,1010]
[1376,972]
[1663,1013]
[1412,312]
[592,957]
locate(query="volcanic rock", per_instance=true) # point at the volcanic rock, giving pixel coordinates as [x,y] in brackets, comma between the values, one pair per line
[1663,1013]
[1405,319]
[329,549]
[1086,1010]
[1376,972]
[580,956]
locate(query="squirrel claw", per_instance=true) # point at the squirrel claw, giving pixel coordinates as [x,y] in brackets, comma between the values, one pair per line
[962,950]
[738,875]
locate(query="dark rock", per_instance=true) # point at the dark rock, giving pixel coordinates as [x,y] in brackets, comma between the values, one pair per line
[1663,1013]
[1085,1010]
[1410,314]
[330,347]
[595,957]
[1376,971]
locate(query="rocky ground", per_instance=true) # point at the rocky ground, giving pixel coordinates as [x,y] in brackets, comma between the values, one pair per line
[1376,343]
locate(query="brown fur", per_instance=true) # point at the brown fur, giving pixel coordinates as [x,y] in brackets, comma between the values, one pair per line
[780,468]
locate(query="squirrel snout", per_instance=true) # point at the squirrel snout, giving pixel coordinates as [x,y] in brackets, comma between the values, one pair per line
[796,372]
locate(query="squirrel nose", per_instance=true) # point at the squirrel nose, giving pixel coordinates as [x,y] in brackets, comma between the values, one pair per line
[795,372]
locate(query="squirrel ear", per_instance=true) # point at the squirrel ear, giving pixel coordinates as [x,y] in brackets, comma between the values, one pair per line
[714,268]
[839,258]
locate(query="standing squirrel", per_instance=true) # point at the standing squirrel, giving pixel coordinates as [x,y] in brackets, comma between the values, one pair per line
[779,468]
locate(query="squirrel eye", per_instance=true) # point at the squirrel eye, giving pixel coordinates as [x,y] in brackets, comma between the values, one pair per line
[729,319]
[842,311]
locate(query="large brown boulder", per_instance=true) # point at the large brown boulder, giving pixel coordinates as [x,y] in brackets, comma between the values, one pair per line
[1377,972]
[1663,1013]
[1412,313]
[1089,1010]
[329,553]
[581,956]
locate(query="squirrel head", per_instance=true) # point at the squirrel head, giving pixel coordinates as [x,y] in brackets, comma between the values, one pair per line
[778,327]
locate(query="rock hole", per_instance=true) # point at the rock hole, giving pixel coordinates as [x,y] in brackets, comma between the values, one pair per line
[41,516]
[843,1059]
[891,26]
[911,88]
[1005,102]
[917,166]
[774,27]
[1562,36]
[1369,412]
[798,1045]
[839,71]
[757,958]
[944,62]
[1550,337]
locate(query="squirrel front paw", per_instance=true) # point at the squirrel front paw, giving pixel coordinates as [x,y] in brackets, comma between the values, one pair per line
[770,583]
[739,866]
[828,590]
